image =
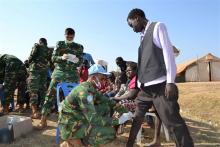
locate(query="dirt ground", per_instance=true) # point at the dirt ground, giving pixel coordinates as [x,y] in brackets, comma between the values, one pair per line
[200,107]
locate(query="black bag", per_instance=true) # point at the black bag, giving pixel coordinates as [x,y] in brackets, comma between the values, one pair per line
[7,134]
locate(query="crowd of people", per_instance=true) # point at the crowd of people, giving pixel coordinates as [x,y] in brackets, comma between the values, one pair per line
[93,111]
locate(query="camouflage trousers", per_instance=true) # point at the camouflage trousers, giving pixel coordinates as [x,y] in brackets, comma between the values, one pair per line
[74,126]
[57,77]
[12,81]
[37,86]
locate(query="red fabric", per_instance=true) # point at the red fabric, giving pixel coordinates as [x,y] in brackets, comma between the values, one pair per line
[131,84]
[104,87]
[84,73]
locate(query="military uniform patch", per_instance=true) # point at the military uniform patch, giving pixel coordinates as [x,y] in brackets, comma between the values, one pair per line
[90,98]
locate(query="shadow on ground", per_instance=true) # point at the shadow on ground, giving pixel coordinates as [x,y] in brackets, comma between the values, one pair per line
[204,135]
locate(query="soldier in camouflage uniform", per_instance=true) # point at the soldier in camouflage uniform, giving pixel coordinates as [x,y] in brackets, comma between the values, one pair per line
[51,67]
[66,57]
[12,75]
[38,70]
[85,113]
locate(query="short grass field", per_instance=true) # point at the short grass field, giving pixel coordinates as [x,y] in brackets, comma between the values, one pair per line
[200,107]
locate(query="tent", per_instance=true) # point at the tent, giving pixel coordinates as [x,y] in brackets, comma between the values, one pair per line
[204,69]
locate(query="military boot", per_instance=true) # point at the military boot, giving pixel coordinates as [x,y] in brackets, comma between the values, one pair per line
[5,109]
[35,114]
[71,143]
[20,108]
[43,123]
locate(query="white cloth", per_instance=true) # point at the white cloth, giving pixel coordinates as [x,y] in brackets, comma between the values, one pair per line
[67,41]
[125,117]
[72,58]
[161,40]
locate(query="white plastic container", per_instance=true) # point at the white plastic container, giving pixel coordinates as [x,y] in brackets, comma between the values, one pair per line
[21,124]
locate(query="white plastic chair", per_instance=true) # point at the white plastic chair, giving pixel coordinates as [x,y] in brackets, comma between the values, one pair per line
[163,129]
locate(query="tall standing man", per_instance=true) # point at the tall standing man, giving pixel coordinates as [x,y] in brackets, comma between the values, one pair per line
[38,60]
[66,57]
[156,78]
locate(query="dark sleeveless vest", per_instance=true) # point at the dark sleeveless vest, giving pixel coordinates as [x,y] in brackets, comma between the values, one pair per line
[151,63]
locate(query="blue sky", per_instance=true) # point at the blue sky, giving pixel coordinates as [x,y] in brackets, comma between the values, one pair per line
[101,27]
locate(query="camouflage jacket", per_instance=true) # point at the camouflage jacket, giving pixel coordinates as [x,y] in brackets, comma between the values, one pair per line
[39,58]
[64,48]
[10,64]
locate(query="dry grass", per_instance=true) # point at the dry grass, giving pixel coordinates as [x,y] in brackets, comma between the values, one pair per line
[200,106]
[201,101]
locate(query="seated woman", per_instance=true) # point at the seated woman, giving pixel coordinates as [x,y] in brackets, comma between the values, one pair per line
[85,116]
[130,90]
